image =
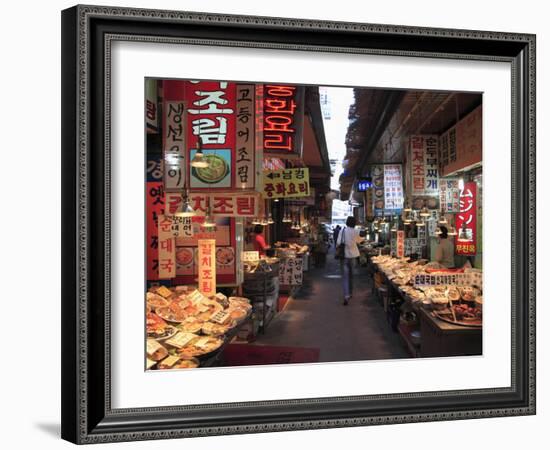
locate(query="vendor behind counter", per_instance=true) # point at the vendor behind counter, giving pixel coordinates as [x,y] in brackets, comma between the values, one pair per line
[258,241]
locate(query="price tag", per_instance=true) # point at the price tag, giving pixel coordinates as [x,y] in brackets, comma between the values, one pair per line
[202,342]
[168,362]
[220,317]
[152,346]
[164,291]
[196,297]
[181,339]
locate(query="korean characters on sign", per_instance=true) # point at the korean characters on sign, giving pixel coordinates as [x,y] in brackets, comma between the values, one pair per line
[246,128]
[154,207]
[207,266]
[423,156]
[286,183]
[173,139]
[225,204]
[393,187]
[466,221]
[166,248]
[283,115]
[449,195]
[212,119]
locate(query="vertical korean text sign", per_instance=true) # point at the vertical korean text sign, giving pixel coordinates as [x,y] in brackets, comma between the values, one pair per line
[207,266]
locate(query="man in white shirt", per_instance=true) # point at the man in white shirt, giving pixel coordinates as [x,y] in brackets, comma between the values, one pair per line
[350,237]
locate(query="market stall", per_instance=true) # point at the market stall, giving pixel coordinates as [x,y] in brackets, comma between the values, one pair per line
[439,311]
[187,329]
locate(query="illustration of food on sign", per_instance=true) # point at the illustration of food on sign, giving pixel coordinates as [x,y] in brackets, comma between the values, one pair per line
[215,172]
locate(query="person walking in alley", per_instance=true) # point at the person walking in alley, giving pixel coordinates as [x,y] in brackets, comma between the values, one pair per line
[350,237]
[335,233]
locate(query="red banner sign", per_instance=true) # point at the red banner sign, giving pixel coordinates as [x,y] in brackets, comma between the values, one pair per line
[224,204]
[283,116]
[466,221]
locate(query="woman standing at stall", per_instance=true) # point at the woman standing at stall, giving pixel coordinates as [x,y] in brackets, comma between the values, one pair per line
[259,241]
[350,237]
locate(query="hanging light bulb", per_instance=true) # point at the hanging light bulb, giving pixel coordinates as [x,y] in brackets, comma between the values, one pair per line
[256,221]
[442,219]
[209,221]
[424,212]
[186,209]
[452,232]
[407,207]
[270,219]
[199,161]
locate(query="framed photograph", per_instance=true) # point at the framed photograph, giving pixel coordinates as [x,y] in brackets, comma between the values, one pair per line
[191,141]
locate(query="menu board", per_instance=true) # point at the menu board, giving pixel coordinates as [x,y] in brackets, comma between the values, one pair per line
[393,187]
[387,188]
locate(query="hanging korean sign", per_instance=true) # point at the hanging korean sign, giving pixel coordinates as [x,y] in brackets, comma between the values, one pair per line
[173,138]
[207,266]
[226,204]
[423,151]
[154,207]
[400,243]
[211,116]
[283,118]
[166,248]
[286,183]
[449,195]
[245,139]
[393,187]
[460,147]
[466,221]
[387,188]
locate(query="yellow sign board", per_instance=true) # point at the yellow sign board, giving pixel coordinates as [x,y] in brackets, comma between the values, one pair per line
[286,183]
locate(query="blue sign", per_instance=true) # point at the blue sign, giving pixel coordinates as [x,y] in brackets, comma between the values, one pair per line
[363,185]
